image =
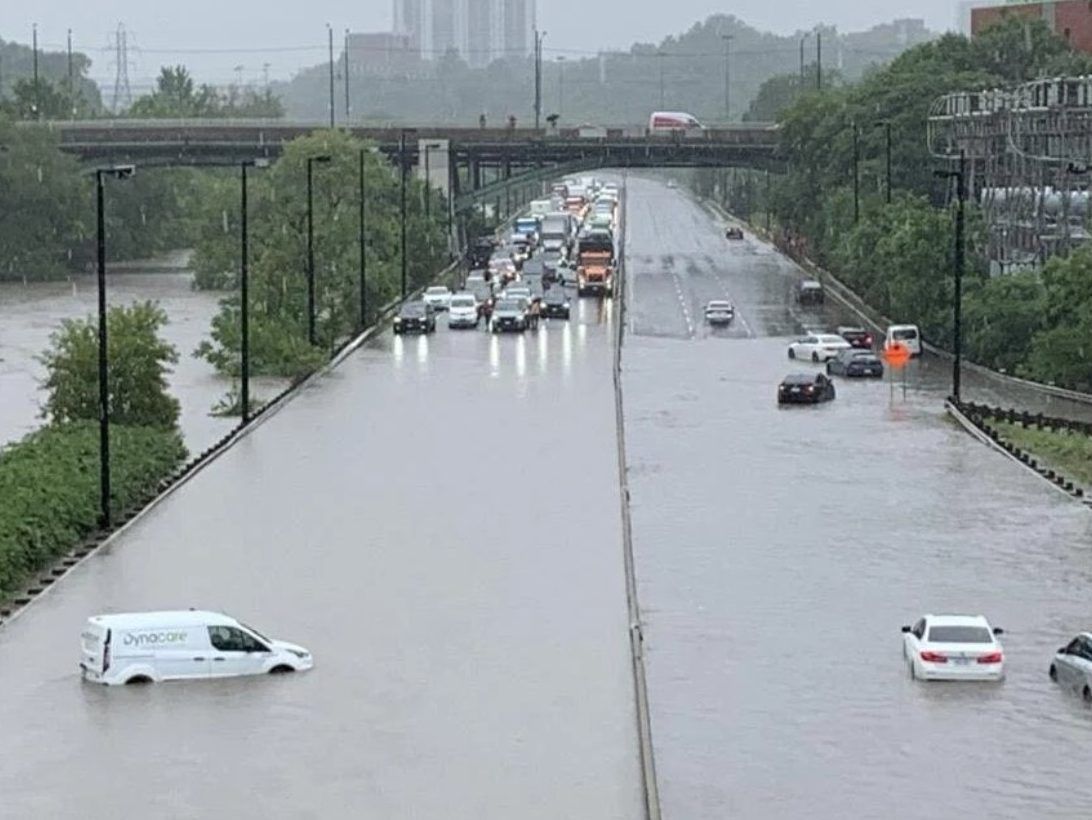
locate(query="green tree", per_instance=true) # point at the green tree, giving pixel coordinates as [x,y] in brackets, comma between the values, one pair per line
[138,361]
[278,241]
[177,96]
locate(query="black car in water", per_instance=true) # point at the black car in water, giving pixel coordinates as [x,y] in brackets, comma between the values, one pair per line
[805,388]
[856,363]
[415,317]
[555,303]
[510,314]
[809,292]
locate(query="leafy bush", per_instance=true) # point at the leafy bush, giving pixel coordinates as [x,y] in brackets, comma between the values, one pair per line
[49,483]
[137,369]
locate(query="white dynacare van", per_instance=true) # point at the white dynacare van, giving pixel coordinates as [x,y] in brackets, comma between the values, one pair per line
[908,335]
[144,647]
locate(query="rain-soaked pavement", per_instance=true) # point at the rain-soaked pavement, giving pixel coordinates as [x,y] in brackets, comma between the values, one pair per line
[438,521]
[779,551]
[29,314]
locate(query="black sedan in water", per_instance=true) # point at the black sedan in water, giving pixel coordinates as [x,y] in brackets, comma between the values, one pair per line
[856,363]
[415,317]
[555,303]
[805,388]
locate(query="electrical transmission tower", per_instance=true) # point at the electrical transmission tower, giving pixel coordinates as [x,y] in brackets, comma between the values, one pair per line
[123,94]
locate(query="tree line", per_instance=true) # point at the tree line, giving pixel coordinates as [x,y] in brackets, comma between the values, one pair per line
[899,256]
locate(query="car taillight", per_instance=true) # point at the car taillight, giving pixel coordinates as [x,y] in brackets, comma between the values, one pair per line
[868,340]
[934,657]
[991,657]
[809,389]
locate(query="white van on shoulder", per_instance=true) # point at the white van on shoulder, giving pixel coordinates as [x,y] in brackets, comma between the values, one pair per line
[908,335]
[145,647]
[674,122]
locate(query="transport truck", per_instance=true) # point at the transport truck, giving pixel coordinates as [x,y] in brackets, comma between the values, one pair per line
[595,264]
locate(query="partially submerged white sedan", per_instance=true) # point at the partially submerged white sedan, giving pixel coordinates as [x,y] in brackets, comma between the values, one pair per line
[719,312]
[953,647]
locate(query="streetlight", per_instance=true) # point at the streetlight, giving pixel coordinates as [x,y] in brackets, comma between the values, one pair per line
[661,55]
[856,173]
[561,86]
[363,247]
[539,37]
[886,125]
[957,298]
[727,38]
[117,172]
[802,39]
[244,285]
[403,169]
[324,158]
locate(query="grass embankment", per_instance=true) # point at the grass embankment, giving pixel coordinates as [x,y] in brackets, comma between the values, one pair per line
[49,489]
[1067,453]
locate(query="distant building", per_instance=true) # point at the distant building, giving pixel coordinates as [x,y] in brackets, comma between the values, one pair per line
[1069,19]
[480,31]
[383,53]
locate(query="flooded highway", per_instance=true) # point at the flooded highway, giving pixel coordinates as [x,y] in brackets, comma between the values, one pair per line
[778,552]
[29,314]
[438,522]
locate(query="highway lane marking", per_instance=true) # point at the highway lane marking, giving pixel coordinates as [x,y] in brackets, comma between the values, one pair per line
[682,304]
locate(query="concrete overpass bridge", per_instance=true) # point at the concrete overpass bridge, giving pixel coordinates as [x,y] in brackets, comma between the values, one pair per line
[460,159]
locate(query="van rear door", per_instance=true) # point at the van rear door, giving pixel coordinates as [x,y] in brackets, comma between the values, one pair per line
[94,651]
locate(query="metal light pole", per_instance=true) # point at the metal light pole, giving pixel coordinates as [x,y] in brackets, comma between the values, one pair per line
[818,60]
[348,104]
[428,182]
[330,39]
[539,37]
[71,84]
[244,298]
[561,87]
[311,245]
[118,172]
[802,39]
[727,76]
[960,176]
[660,55]
[402,172]
[37,87]
[886,125]
[363,247]
[856,173]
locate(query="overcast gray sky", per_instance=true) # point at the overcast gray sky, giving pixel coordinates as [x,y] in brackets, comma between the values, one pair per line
[291,35]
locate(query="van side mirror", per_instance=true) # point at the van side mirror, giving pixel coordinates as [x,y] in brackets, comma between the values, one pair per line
[1063,650]
[906,628]
[998,631]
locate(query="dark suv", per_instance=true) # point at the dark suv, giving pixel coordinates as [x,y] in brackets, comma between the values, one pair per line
[809,292]
[415,317]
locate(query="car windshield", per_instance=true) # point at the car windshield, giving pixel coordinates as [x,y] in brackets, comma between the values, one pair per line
[904,333]
[463,301]
[554,297]
[438,291]
[413,309]
[959,634]
[509,304]
[863,356]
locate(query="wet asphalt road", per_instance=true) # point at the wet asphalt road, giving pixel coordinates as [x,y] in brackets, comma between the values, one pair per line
[29,314]
[779,551]
[438,521]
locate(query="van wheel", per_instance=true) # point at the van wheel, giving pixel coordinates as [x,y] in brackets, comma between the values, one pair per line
[138,680]
[1053,673]
[792,353]
[281,669]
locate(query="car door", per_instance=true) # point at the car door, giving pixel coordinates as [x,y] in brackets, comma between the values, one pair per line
[1068,664]
[236,652]
[1082,665]
[805,347]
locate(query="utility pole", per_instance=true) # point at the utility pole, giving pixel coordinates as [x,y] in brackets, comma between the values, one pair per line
[856,173]
[330,39]
[560,86]
[660,55]
[244,298]
[818,61]
[887,157]
[960,176]
[363,247]
[727,76]
[802,39]
[402,169]
[71,85]
[37,87]
[348,104]
[539,37]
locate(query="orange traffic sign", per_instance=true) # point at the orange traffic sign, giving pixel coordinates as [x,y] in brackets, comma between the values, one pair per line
[896,354]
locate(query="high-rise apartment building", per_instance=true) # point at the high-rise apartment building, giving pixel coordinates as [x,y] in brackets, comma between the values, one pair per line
[480,31]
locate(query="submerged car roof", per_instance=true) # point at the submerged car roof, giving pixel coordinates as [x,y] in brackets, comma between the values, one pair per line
[166,617]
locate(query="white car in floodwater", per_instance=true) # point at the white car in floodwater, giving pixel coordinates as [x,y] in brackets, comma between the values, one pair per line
[148,647]
[953,647]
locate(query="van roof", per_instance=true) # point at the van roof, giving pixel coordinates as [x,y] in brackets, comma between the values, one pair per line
[167,617]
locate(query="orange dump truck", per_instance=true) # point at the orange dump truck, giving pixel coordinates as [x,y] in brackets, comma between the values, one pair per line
[595,264]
